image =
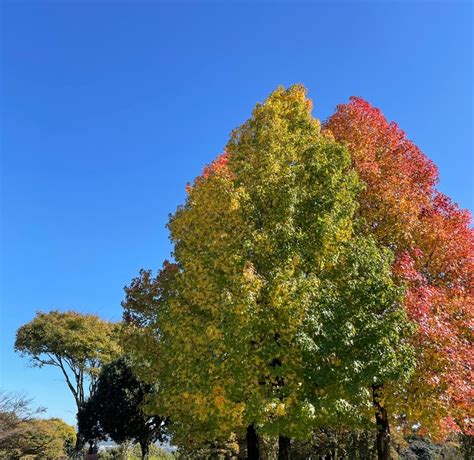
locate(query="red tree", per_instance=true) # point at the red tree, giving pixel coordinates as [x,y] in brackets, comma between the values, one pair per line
[434,247]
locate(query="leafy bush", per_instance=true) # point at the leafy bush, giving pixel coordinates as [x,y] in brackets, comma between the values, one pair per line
[125,452]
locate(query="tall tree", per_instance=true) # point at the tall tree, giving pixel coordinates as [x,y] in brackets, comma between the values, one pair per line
[77,344]
[433,244]
[356,337]
[260,245]
[117,409]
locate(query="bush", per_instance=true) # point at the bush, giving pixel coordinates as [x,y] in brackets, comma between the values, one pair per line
[127,452]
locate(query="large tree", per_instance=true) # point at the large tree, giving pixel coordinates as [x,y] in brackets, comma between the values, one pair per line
[271,291]
[117,409]
[77,344]
[434,247]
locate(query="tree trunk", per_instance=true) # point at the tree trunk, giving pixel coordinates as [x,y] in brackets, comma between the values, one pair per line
[383,428]
[253,447]
[284,445]
[145,450]
[80,442]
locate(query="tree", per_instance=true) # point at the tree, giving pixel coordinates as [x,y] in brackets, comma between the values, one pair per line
[65,433]
[88,426]
[356,338]
[50,438]
[261,247]
[75,343]
[433,245]
[15,412]
[43,438]
[117,409]
[22,433]
[127,452]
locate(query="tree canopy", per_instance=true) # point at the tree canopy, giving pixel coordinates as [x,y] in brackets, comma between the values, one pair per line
[77,344]
[434,247]
[278,312]
[23,433]
[117,409]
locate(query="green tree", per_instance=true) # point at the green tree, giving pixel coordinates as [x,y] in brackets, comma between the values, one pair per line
[355,337]
[264,246]
[116,409]
[50,438]
[156,453]
[77,344]
[127,452]
[66,434]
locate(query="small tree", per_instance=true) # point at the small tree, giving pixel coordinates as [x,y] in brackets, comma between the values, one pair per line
[15,410]
[75,343]
[21,433]
[116,409]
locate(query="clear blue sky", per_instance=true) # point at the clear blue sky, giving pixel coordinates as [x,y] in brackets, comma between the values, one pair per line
[109,108]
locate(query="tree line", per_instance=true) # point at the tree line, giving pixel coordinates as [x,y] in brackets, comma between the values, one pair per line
[24,433]
[319,281]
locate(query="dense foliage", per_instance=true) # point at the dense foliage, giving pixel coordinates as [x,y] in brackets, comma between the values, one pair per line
[433,243]
[22,433]
[77,344]
[278,312]
[116,409]
[319,304]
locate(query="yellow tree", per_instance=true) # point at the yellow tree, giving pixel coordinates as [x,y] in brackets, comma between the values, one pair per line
[263,247]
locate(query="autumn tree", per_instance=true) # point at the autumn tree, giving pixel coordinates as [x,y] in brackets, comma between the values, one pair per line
[42,438]
[433,244]
[117,409]
[15,411]
[253,325]
[77,344]
[23,433]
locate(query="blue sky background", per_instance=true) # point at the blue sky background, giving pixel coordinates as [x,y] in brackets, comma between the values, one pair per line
[109,108]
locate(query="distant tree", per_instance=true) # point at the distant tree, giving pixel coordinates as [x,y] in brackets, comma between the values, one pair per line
[22,434]
[117,410]
[65,433]
[156,453]
[50,438]
[15,411]
[77,344]
[126,451]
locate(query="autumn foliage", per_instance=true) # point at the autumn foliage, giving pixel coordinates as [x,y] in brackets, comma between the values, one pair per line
[318,276]
[433,244]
